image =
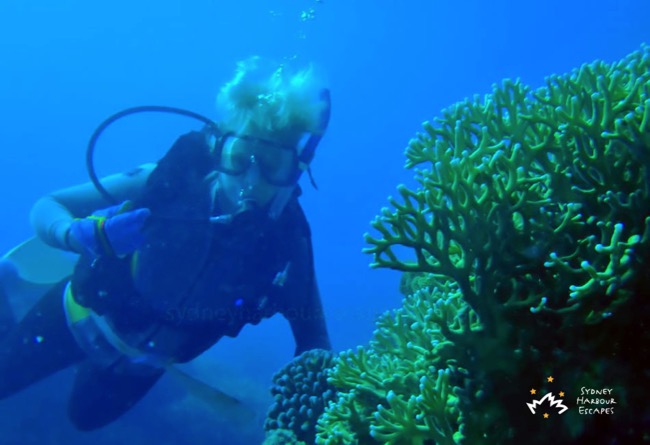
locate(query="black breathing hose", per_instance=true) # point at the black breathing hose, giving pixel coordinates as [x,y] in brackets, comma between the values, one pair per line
[90,150]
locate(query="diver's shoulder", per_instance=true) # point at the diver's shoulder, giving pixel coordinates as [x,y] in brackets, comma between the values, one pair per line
[143,170]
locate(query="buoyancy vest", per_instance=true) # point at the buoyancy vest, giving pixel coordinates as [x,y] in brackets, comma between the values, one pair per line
[193,280]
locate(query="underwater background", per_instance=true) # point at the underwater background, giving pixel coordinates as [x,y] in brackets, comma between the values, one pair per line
[65,66]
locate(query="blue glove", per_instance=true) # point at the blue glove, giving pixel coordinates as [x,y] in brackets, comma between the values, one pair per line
[114,231]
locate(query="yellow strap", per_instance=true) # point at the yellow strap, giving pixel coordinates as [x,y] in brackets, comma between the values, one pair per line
[134,264]
[74,311]
[100,234]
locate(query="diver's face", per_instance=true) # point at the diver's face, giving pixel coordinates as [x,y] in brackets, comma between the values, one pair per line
[253,170]
[247,190]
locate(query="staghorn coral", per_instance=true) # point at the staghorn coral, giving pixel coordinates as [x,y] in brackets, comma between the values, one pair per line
[398,390]
[301,392]
[552,171]
[411,282]
[531,230]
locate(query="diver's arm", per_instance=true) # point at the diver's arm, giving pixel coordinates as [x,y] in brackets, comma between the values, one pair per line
[52,214]
[305,311]
[308,323]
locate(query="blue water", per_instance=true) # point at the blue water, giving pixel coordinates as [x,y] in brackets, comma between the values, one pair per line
[65,66]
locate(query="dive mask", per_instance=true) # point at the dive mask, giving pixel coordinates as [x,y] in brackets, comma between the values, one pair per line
[277,163]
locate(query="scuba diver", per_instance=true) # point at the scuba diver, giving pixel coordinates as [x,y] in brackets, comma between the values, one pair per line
[173,256]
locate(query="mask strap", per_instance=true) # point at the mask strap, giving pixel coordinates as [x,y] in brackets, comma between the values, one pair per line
[305,157]
[311,178]
[308,151]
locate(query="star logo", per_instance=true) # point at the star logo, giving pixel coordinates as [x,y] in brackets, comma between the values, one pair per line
[548,400]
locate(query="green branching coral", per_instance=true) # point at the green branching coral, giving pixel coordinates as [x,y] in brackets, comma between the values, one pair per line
[530,234]
[398,390]
[301,392]
[412,282]
[552,171]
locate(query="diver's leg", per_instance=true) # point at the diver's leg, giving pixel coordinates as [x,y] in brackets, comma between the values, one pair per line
[7,321]
[101,395]
[38,346]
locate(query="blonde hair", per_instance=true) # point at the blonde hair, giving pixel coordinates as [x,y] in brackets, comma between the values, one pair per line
[270,100]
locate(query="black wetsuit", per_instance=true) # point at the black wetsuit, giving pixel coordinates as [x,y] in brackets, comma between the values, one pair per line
[193,282]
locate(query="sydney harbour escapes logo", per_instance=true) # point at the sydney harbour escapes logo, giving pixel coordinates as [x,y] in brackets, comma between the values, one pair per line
[548,403]
[591,401]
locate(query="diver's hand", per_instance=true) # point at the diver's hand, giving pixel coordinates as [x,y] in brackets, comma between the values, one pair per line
[114,231]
